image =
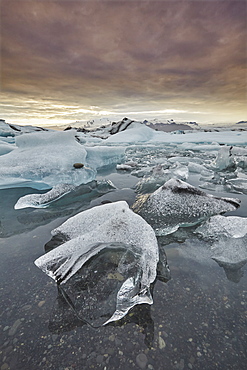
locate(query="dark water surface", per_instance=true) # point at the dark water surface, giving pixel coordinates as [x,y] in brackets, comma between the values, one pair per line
[197,321]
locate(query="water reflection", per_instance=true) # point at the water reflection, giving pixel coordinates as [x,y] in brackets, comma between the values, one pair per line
[14,222]
[234,272]
[65,318]
[90,296]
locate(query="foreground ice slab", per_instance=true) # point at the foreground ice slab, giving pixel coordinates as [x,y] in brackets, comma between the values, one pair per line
[43,200]
[178,204]
[112,226]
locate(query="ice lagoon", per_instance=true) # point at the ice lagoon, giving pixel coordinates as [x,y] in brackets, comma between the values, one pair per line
[194,313]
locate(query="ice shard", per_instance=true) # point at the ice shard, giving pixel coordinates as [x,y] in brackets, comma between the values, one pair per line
[178,204]
[44,200]
[111,226]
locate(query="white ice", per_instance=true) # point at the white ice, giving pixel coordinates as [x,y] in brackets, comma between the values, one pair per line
[44,159]
[91,231]
[198,141]
[44,200]
[5,147]
[218,226]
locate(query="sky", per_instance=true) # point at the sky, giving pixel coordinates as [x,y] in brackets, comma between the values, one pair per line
[64,61]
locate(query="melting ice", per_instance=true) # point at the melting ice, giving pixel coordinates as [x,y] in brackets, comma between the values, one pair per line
[45,160]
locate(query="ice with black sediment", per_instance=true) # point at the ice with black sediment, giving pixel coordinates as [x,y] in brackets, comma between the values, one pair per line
[109,226]
[178,204]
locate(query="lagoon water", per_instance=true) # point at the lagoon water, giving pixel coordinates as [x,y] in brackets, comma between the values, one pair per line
[197,321]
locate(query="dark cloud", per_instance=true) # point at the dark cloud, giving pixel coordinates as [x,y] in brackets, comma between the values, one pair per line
[99,52]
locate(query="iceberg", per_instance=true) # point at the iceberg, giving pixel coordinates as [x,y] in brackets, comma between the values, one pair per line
[178,204]
[44,200]
[10,130]
[109,226]
[136,132]
[44,159]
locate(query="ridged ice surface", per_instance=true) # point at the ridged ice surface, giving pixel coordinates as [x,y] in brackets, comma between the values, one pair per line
[112,226]
[177,203]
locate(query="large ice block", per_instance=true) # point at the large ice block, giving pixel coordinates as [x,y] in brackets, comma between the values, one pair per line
[111,225]
[44,159]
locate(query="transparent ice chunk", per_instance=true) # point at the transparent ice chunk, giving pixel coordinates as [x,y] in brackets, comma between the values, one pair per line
[179,171]
[44,200]
[101,156]
[225,159]
[107,226]
[177,204]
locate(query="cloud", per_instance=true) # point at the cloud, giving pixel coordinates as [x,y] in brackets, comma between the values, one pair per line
[138,52]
